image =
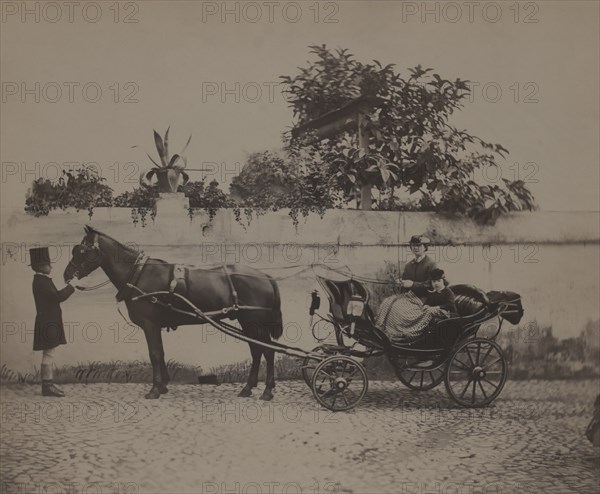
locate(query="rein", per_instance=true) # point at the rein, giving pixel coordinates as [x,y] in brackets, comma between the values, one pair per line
[93,287]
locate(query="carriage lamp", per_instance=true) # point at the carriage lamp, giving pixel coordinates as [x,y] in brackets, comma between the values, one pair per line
[315,303]
[356,307]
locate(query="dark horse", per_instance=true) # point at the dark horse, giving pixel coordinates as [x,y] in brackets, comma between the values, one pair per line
[210,289]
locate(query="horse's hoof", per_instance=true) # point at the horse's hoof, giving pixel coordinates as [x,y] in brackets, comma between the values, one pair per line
[245,392]
[266,396]
[154,394]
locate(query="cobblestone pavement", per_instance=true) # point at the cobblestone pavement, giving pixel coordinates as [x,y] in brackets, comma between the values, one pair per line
[106,438]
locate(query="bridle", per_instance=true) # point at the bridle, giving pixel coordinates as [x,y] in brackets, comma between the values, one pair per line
[82,270]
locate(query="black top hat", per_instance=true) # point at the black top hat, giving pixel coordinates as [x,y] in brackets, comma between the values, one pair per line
[419,239]
[437,274]
[39,255]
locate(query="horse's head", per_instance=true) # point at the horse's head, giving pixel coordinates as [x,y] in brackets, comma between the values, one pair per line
[87,256]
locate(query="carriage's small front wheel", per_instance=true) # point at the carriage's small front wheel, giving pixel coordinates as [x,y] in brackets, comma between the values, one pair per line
[476,373]
[339,383]
[421,379]
[309,365]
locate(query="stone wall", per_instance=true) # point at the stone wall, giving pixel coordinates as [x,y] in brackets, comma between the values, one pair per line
[551,259]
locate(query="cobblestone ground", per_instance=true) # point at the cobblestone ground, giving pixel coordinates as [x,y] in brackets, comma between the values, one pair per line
[106,438]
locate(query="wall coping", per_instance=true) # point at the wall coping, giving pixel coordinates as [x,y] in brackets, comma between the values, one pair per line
[339,226]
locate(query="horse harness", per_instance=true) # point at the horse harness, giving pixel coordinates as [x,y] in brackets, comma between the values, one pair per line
[178,278]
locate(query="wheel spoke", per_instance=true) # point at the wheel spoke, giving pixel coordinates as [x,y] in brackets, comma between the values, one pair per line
[478,353]
[499,359]
[466,387]
[491,384]
[432,377]
[482,390]
[487,353]
[469,355]
[354,371]
[464,366]
[422,377]
[412,377]
[344,396]
[474,388]
[334,400]
[330,377]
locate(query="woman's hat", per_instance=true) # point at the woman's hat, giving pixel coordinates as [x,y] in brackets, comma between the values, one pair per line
[39,255]
[419,240]
[437,274]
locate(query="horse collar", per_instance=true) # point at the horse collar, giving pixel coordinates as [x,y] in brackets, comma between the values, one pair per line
[133,277]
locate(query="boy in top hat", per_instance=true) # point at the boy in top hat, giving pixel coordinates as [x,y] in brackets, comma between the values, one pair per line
[417,271]
[48,330]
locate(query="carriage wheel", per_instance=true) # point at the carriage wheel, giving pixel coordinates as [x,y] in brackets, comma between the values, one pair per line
[419,379]
[339,383]
[476,373]
[309,365]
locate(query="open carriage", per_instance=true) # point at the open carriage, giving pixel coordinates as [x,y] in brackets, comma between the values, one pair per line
[473,368]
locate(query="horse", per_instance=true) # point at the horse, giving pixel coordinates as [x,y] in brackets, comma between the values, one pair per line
[245,293]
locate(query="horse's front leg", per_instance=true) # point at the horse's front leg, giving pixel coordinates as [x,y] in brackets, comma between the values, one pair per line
[270,381]
[154,341]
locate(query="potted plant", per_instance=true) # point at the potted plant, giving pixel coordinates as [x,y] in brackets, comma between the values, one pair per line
[170,169]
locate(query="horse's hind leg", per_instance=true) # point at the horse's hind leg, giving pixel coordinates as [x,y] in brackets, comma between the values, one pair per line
[270,381]
[164,373]
[253,375]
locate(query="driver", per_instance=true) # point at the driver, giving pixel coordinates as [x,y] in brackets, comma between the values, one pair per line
[417,271]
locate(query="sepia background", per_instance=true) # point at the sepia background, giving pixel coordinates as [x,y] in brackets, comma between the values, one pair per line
[85,83]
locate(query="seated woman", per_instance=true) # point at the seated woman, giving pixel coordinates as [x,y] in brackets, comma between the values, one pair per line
[404,318]
[415,276]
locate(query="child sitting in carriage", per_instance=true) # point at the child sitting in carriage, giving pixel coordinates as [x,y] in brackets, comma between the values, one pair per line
[405,317]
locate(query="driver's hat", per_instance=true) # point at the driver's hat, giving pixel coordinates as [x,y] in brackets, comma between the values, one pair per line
[420,240]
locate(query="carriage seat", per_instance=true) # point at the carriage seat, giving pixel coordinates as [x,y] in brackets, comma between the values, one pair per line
[469,299]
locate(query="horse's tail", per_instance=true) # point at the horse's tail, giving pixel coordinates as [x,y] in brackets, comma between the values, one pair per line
[275,317]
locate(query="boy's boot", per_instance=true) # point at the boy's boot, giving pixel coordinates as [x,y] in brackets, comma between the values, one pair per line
[48,387]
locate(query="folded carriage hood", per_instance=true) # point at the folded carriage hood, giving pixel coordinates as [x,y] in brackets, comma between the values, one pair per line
[514,313]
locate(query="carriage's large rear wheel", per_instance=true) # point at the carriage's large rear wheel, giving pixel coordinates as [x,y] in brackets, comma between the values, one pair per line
[421,379]
[476,373]
[339,383]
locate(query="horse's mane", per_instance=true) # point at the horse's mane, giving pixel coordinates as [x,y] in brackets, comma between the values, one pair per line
[89,229]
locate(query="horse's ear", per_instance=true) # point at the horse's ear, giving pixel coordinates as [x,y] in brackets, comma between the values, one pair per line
[88,229]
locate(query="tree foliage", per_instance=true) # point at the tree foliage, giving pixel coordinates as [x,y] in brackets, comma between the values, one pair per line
[293,178]
[412,145]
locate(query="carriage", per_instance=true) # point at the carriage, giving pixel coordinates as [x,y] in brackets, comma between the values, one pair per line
[159,294]
[474,368]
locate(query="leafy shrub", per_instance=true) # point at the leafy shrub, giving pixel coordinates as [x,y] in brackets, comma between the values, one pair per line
[141,201]
[82,189]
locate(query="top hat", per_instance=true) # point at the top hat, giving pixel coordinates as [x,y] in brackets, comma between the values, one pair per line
[39,255]
[419,240]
